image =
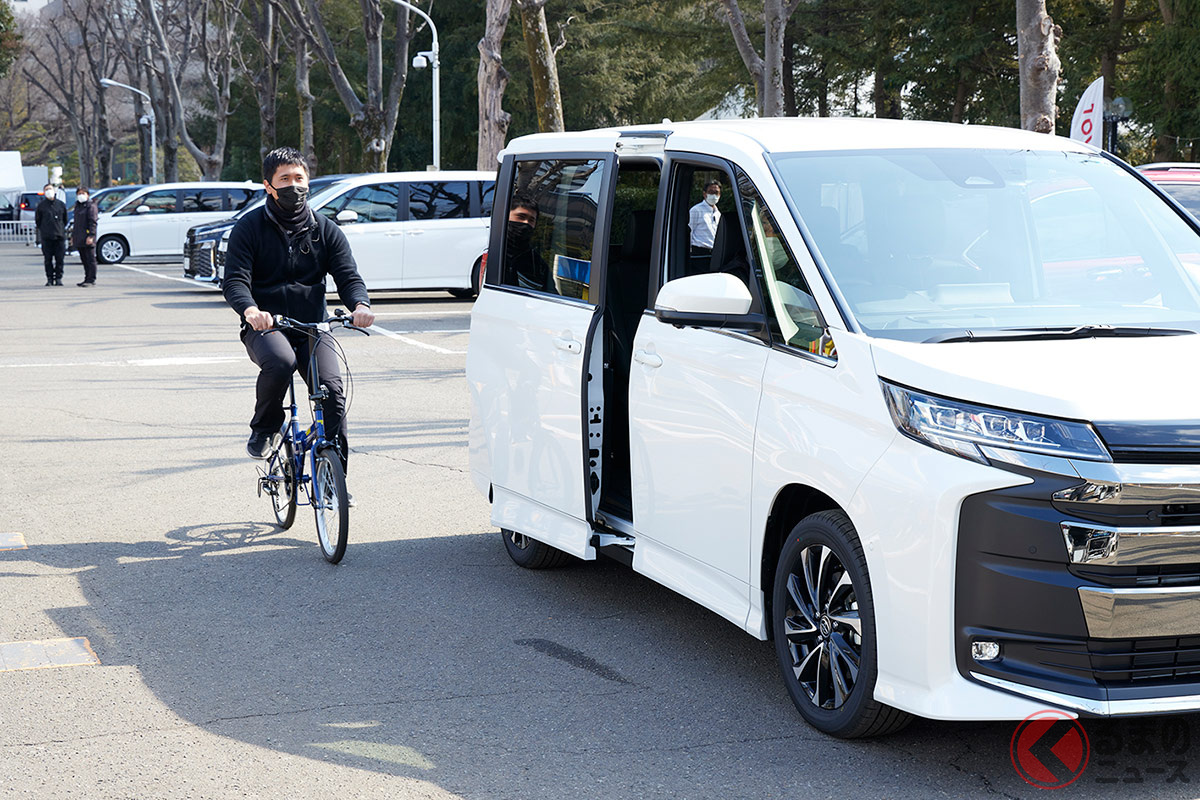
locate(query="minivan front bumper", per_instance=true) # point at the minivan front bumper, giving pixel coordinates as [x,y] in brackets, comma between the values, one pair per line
[1088,579]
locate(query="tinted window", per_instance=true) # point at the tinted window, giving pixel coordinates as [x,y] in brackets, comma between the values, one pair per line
[109,200]
[555,255]
[160,202]
[195,200]
[487,198]
[240,198]
[1188,195]
[448,200]
[376,203]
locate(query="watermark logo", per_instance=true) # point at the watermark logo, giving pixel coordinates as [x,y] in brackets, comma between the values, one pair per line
[1049,749]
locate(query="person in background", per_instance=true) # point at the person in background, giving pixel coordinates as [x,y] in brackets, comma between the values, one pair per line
[703,219]
[523,257]
[83,234]
[50,219]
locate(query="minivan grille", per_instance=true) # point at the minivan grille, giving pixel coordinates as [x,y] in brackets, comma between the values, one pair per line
[1129,662]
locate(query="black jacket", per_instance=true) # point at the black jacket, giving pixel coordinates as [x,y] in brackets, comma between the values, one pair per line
[86,217]
[262,269]
[51,220]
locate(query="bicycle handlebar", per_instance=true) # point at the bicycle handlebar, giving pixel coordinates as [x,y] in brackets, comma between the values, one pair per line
[339,318]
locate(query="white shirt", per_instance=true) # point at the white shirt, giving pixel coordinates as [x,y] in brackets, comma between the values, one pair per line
[703,219]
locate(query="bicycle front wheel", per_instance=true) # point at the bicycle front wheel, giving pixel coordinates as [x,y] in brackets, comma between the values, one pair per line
[331,505]
[281,468]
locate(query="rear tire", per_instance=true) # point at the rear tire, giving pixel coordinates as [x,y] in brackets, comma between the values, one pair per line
[111,250]
[331,506]
[823,618]
[530,553]
[284,500]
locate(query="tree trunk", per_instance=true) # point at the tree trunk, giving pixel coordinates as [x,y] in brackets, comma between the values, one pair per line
[305,100]
[790,108]
[104,141]
[962,90]
[885,95]
[492,80]
[1166,145]
[266,77]
[1037,58]
[1110,55]
[543,66]
[766,70]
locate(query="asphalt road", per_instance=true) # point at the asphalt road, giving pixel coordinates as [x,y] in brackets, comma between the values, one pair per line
[234,662]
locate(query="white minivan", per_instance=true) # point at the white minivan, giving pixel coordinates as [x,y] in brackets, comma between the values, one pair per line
[415,230]
[154,220]
[925,409]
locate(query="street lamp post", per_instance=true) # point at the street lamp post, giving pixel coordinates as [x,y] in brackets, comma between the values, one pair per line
[149,115]
[430,58]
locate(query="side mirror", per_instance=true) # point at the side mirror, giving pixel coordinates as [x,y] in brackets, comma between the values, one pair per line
[142,209]
[714,300]
[346,216]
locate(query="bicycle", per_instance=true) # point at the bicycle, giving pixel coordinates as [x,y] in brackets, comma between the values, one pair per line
[284,478]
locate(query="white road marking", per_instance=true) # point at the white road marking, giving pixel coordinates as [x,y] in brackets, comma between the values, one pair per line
[435,330]
[415,343]
[419,314]
[173,361]
[188,281]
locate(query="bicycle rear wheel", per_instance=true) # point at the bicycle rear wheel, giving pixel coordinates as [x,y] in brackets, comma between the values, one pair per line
[331,505]
[281,468]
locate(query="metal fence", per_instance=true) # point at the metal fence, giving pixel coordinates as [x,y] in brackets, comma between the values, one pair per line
[17,232]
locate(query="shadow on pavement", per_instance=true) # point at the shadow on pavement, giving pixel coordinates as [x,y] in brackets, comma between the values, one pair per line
[440,660]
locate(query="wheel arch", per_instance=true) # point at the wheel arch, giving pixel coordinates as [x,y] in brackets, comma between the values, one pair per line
[792,503]
[121,237]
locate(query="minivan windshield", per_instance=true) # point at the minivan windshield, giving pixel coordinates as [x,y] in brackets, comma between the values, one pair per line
[924,244]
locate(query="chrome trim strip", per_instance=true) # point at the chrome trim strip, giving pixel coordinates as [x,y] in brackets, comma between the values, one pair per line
[1103,708]
[1035,461]
[1090,543]
[1139,612]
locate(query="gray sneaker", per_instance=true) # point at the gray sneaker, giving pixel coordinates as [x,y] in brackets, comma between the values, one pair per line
[261,445]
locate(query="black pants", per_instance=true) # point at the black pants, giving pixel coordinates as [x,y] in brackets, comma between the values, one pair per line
[87,254]
[278,354]
[53,252]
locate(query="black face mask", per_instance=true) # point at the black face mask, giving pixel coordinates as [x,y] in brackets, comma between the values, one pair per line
[292,199]
[519,235]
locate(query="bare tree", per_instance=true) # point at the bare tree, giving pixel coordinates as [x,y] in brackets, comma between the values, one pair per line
[492,80]
[766,69]
[215,42]
[1037,58]
[55,69]
[374,115]
[305,98]
[263,27]
[543,65]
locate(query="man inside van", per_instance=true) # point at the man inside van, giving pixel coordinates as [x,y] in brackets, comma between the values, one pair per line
[703,219]
[278,257]
[523,256]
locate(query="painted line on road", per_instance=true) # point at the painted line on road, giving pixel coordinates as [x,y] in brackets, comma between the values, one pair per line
[45,653]
[174,361]
[415,343]
[188,281]
[419,314]
[11,540]
[437,330]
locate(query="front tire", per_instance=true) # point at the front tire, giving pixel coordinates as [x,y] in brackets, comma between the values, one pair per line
[530,553]
[331,505]
[111,250]
[823,618]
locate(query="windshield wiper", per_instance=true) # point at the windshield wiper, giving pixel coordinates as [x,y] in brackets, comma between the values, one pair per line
[1034,334]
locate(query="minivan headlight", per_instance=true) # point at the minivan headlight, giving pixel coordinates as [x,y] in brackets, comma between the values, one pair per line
[958,428]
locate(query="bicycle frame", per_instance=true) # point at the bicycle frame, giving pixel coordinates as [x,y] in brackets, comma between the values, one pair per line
[307,443]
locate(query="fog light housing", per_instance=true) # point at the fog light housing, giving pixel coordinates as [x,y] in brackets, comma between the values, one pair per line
[985,650]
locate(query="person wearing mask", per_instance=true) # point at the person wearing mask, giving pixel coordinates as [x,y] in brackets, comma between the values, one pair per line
[703,219]
[83,234]
[532,271]
[278,257]
[50,219]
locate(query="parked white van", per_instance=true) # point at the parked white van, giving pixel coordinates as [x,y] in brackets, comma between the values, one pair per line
[415,230]
[154,221]
[927,414]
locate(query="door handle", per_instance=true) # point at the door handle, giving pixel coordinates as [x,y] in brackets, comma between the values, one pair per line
[649,358]
[416,232]
[568,344]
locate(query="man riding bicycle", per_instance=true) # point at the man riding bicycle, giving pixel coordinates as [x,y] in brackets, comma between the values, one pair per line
[277,261]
